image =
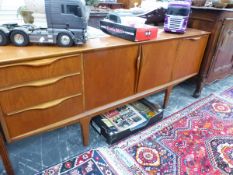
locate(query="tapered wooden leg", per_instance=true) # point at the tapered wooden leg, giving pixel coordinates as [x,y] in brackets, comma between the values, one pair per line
[5,157]
[85,122]
[167,95]
[199,87]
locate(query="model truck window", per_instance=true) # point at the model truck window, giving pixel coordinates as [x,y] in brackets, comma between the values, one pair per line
[74,9]
[66,26]
[62,8]
[178,11]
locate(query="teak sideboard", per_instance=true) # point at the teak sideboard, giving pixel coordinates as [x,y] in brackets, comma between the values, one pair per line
[46,87]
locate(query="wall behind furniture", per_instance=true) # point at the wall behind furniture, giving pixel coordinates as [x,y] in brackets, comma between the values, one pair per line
[8,11]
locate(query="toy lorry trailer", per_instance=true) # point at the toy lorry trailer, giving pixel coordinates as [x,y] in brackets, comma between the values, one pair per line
[66,25]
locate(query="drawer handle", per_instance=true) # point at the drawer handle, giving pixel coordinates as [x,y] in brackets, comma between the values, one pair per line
[38,63]
[193,39]
[45,105]
[40,82]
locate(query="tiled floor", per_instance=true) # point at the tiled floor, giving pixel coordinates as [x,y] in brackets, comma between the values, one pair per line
[33,154]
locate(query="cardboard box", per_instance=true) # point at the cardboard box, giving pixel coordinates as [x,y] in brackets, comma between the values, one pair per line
[133,33]
[143,115]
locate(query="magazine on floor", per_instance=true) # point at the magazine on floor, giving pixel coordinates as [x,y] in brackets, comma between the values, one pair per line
[125,117]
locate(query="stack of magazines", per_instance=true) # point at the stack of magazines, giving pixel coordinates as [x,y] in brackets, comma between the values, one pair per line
[128,119]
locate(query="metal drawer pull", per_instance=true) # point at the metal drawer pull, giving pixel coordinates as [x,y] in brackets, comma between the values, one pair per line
[40,82]
[38,63]
[45,105]
[193,39]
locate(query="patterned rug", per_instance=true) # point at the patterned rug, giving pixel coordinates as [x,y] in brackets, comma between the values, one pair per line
[197,140]
[89,163]
[228,93]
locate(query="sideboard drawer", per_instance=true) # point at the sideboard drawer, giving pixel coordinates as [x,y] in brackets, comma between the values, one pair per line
[38,92]
[18,73]
[35,119]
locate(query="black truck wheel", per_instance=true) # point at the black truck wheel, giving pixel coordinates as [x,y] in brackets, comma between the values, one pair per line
[4,40]
[64,40]
[19,38]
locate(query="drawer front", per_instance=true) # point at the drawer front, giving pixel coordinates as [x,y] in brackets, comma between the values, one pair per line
[35,93]
[23,123]
[40,69]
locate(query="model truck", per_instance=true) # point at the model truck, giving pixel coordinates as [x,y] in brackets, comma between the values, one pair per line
[176,18]
[66,26]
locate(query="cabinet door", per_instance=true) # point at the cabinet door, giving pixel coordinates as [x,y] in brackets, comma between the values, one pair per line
[223,60]
[109,75]
[189,56]
[156,64]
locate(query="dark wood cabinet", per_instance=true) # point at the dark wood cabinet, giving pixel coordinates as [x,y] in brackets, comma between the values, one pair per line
[218,58]
[111,5]
[223,63]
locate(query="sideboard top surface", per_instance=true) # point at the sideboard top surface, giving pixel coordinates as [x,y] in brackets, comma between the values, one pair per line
[12,54]
[213,9]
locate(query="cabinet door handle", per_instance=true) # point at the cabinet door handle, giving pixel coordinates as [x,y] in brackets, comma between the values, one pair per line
[138,67]
[38,63]
[40,82]
[139,57]
[44,105]
[193,39]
